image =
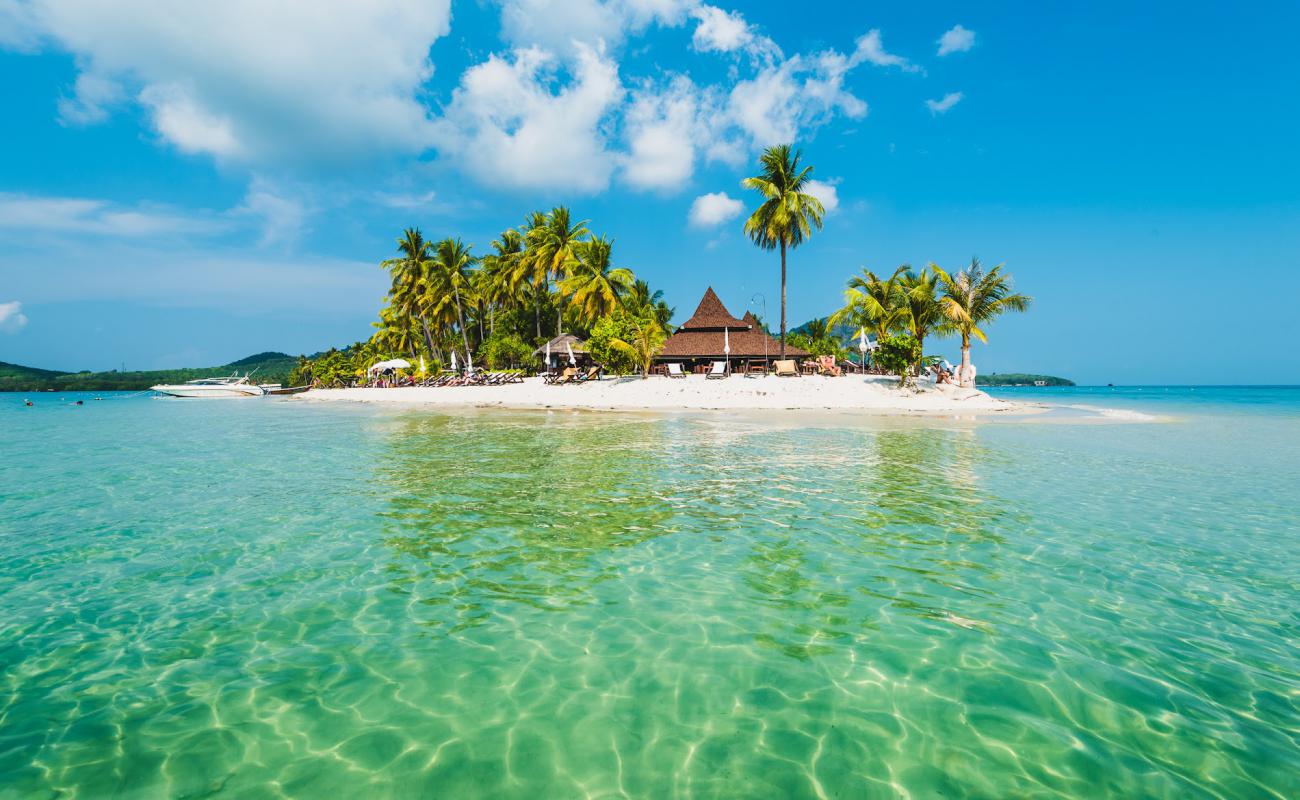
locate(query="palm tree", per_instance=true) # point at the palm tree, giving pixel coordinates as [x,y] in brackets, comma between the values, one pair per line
[972,298]
[922,314]
[499,284]
[642,297]
[872,303]
[592,285]
[555,248]
[452,262]
[787,214]
[410,273]
[530,269]
[644,344]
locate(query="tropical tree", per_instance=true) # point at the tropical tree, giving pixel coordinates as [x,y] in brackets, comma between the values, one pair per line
[645,339]
[452,262]
[592,285]
[871,303]
[499,283]
[972,298]
[921,313]
[410,273]
[787,214]
[555,245]
[642,298]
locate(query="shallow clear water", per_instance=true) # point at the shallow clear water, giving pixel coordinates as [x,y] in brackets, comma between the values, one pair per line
[277,598]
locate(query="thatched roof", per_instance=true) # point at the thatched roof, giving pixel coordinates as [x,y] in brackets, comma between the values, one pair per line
[712,327]
[557,346]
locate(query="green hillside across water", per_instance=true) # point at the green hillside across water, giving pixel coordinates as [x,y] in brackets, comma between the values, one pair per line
[1019,379]
[265,368]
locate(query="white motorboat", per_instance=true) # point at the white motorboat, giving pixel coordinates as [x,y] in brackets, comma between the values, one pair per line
[234,386]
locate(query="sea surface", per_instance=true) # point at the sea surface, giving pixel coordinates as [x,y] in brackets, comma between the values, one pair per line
[279,598]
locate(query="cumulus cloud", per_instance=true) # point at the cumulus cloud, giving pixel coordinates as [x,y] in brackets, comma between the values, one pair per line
[826,193]
[798,94]
[713,209]
[870,48]
[245,81]
[556,25]
[956,40]
[662,132]
[12,318]
[942,105]
[513,123]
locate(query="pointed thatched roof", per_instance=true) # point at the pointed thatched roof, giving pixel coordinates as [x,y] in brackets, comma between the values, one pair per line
[711,315]
[557,345]
[712,327]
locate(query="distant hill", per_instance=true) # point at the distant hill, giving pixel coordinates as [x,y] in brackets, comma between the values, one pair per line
[1019,379]
[269,367]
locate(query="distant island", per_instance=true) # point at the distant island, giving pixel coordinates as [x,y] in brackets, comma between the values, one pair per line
[1020,379]
[267,367]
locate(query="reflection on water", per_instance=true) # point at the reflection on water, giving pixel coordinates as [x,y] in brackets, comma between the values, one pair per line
[578,605]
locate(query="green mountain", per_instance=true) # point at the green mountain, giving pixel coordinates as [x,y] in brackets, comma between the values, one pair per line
[267,367]
[1019,379]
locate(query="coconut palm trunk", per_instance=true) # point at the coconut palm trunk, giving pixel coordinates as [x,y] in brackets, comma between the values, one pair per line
[783,299]
[964,369]
[460,316]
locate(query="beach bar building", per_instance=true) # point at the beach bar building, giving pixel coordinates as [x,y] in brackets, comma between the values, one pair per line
[713,334]
[560,348]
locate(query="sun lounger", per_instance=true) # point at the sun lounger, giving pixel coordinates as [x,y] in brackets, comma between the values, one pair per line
[570,375]
[592,374]
[718,370]
[675,370]
[786,369]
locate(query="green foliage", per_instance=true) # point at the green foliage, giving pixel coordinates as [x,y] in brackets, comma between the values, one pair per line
[619,326]
[817,338]
[898,354]
[1019,379]
[504,350]
[265,368]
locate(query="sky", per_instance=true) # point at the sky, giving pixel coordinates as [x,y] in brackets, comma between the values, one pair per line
[186,184]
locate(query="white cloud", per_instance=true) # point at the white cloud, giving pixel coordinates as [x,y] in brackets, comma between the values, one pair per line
[727,32]
[556,25]
[942,105]
[283,218]
[871,49]
[29,213]
[825,192]
[247,81]
[662,132]
[12,318]
[713,209]
[511,124]
[956,40]
[800,93]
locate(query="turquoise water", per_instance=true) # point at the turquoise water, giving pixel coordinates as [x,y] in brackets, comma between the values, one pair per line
[278,598]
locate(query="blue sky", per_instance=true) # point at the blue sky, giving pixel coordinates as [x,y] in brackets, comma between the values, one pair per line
[184,186]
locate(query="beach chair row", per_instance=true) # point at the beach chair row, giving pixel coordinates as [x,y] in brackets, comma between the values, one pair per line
[474,379]
[572,375]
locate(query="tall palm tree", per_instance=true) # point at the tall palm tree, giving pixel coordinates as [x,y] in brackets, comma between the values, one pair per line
[531,269]
[592,284]
[452,262]
[642,297]
[788,214]
[872,303]
[922,314]
[499,286]
[410,273]
[556,246]
[972,298]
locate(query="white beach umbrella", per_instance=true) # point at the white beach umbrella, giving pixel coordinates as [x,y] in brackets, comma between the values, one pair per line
[422,367]
[862,340]
[453,360]
[726,342]
[572,361]
[548,356]
[469,363]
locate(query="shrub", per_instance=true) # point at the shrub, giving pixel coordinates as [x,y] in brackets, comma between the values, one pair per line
[898,354]
[502,350]
[619,326]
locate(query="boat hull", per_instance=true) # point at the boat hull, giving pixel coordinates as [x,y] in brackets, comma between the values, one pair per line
[209,391]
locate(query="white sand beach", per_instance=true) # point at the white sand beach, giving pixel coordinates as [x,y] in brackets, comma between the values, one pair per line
[857,393]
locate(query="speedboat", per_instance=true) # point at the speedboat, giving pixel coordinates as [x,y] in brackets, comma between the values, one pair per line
[234,386]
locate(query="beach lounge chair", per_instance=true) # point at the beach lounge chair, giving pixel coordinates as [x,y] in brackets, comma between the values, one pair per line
[718,370]
[570,375]
[592,374]
[786,369]
[675,370]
